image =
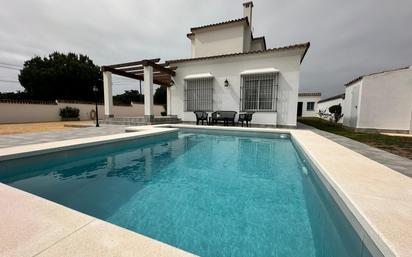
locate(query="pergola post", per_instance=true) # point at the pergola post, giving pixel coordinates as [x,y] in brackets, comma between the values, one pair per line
[108,94]
[169,101]
[148,92]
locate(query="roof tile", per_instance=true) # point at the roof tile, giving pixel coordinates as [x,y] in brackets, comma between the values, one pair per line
[303,45]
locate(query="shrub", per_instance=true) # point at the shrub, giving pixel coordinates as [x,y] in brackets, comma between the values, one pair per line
[69,112]
[336,111]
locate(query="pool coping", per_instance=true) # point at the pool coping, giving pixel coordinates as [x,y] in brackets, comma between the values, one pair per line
[20,151]
[379,198]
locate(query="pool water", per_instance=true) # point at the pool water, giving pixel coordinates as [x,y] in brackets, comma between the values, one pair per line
[207,193]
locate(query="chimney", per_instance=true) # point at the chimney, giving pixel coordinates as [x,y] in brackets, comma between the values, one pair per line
[247,11]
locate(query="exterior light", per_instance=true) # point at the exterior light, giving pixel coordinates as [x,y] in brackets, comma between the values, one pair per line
[226,83]
[96,90]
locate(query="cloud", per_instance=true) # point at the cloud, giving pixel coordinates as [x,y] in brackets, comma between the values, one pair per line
[348,38]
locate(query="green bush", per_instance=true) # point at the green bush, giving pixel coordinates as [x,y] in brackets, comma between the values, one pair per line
[69,112]
[336,111]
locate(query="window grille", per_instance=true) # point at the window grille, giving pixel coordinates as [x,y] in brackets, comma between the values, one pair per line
[259,92]
[199,94]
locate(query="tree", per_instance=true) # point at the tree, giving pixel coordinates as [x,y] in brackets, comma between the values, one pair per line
[160,95]
[127,97]
[14,95]
[336,112]
[61,76]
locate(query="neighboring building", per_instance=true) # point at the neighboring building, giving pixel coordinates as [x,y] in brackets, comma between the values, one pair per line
[230,69]
[308,104]
[380,102]
[324,104]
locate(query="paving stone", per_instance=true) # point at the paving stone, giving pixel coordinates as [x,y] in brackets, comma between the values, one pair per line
[390,160]
[43,137]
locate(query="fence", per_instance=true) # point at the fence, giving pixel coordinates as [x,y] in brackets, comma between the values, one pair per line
[21,111]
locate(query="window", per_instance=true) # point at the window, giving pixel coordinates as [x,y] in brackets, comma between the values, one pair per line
[199,94]
[259,92]
[310,106]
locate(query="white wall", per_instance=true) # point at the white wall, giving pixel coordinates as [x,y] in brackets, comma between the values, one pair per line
[20,113]
[324,106]
[386,101]
[223,40]
[247,39]
[305,100]
[257,45]
[288,62]
[352,104]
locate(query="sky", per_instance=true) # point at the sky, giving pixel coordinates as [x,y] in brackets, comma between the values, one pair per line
[348,38]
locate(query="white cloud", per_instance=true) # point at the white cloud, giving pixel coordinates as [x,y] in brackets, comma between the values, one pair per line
[349,38]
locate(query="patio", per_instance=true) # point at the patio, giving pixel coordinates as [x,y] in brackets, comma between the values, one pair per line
[59,135]
[151,72]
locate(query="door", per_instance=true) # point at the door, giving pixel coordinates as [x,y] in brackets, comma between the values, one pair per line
[354,107]
[300,106]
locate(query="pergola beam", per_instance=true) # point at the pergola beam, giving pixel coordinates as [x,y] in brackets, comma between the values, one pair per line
[122,73]
[134,76]
[128,64]
[158,67]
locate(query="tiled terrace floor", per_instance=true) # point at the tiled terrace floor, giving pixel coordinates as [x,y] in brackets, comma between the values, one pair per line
[393,161]
[71,133]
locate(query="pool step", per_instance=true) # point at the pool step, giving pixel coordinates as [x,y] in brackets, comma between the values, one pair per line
[136,121]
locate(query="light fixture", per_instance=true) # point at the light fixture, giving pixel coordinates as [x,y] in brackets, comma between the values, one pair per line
[96,90]
[226,83]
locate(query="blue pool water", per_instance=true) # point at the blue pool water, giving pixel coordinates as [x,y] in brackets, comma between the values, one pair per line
[209,194]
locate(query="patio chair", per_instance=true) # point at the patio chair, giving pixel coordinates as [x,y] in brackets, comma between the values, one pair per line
[225,116]
[245,117]
[201,116]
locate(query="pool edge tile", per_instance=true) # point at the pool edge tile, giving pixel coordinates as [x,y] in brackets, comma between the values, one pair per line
[30,224]
[100,238]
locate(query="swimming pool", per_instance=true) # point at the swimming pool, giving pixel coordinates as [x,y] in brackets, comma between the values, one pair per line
[213,194]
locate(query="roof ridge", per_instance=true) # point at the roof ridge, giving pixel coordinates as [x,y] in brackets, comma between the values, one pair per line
[220,23]
[332,98]
[307,45]
[375,73]
[309,94]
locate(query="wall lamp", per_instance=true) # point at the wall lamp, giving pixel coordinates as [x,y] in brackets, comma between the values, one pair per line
[226,83]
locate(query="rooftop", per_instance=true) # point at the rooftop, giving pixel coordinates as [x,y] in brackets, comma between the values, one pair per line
[296,46]
[310,94]
[333,98]
[241,20]
[375,73]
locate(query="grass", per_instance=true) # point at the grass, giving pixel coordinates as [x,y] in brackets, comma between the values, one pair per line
[398,145]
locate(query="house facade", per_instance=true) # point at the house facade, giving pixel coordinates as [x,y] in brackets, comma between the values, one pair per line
[380,102]
[324,104]
[231,70]
[308,104]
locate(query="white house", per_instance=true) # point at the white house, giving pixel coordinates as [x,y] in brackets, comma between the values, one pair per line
[324,104]
[308,104]
[229,70]
[380,102]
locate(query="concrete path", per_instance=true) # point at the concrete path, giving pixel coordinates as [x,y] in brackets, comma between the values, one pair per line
[43,137]
[393,161]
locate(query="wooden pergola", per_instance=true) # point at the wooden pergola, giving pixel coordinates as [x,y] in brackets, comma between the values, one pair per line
[148,70]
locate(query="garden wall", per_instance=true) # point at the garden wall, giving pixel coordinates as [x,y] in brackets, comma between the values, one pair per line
[21,111]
